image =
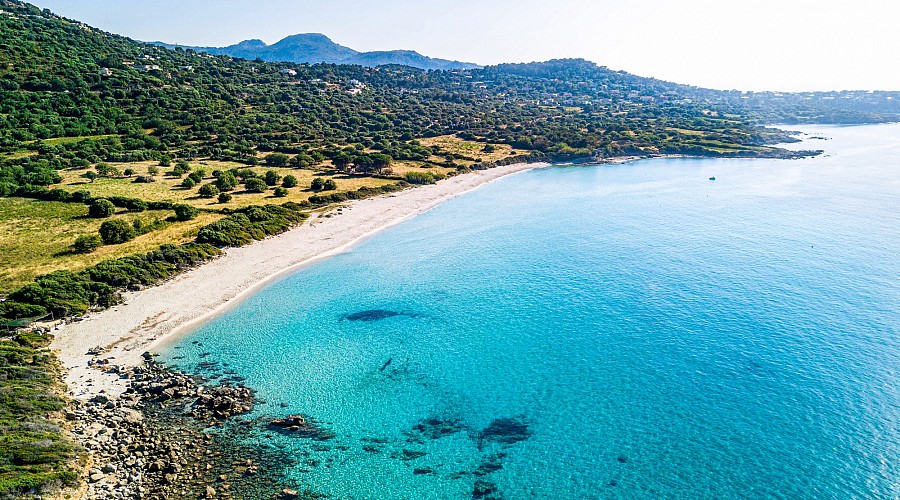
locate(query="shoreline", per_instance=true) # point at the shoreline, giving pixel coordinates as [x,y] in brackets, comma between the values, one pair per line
[157,315]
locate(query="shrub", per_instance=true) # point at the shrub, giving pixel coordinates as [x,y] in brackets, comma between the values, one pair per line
[420,178]
[289,181]
[224,197]
[317,184]
[251,223]
[128,172]
[81,196]
[197,176]
[188,183]
[329,185]
[116,231]
[153,170]
[277,159]
[272,178]
[144,179]
[281,192]
[226,181]
[130,204]
[101,208]
[185,212]
[208,190]
[255,185]
[106,170]
[86,243]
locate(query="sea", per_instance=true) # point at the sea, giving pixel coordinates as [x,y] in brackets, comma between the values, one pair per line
[628,331]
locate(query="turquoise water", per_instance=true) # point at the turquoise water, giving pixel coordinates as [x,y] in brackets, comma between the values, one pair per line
[661,335]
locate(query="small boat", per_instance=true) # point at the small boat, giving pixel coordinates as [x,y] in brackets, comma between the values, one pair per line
[712,178]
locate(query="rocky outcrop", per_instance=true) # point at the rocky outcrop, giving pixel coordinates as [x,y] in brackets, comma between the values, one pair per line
[155,440]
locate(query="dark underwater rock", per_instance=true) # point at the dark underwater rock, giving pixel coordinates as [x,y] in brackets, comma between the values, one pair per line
[490,464]
[301,426]
[371,315]
[505,431]
[434,428]
[484,489]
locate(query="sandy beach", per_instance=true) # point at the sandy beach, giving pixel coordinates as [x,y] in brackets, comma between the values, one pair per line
[155,315]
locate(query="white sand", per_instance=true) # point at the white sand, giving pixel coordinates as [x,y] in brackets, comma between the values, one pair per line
[158,314]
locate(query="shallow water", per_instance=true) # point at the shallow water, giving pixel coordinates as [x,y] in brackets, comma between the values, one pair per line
[639,330]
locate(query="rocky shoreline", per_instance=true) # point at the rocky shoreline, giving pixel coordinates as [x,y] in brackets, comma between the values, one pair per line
[172,435]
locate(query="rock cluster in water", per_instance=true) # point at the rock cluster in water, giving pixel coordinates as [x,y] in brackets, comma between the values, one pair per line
[155,441]
[301,426]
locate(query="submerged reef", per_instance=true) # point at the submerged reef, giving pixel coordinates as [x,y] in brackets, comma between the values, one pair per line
[376,315]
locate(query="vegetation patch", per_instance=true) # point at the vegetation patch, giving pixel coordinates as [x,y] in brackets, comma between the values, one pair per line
[35,455]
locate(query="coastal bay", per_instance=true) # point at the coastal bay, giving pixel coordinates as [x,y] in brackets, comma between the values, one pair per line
[149,316]
[630,331]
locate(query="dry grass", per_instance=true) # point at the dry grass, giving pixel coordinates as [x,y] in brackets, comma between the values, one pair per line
[36,235]
[471,149]
[168,188]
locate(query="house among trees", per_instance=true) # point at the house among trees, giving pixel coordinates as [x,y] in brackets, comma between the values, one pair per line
[287,71]
[105,72]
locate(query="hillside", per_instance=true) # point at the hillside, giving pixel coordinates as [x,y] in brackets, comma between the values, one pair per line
[317,48]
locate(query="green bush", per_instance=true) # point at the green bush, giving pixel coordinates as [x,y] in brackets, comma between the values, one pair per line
[255,185]
[251,223]
[86,243]
[281,192]
[185,212]
[101,208]
[420,178]
[276,159]
[188,183]
[224,197]
[289,181]
[208,190]
[329,185]
[116,231]
[226,181]
[271,178]
[317,184]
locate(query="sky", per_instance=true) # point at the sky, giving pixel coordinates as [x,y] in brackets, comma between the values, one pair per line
[786,45]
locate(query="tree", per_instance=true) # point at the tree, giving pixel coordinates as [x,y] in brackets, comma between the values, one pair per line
[116,231]
[380,161]
[317,184]
[86,243]
[152,170]
[341,161]
[281,192]
[289,181]
[91,175]
[255,185]
[224,197]
[185,212]
[272,178]
[188,182]
[329,185]
[101,208]
[208,190]
[226,181]
[106,170]
[128,172]
[277,160]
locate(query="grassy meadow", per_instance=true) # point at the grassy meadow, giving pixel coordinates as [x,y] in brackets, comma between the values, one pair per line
[36,236]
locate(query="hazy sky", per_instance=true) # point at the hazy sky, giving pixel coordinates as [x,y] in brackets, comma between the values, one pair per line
[726,44]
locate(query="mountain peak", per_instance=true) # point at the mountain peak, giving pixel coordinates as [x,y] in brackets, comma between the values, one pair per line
[316,48]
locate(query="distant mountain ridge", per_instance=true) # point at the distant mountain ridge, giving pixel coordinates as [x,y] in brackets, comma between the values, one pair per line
[318,48]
